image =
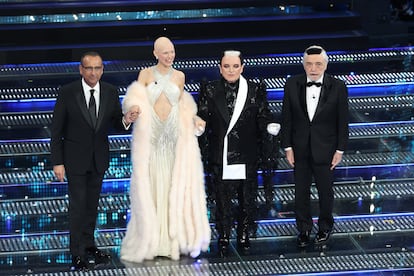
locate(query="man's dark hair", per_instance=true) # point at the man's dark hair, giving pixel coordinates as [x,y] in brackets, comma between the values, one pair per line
[89,53]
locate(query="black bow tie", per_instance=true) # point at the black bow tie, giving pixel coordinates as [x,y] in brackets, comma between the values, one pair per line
[317,84]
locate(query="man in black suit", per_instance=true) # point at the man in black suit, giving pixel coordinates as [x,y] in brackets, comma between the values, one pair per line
[237,119]
[84,112]
[314,136]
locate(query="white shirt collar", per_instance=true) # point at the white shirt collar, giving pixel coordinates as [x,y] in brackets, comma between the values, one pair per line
[318,80]
[87,88]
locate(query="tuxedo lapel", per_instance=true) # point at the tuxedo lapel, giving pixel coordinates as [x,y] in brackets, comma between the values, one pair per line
[302,95]
[240,102]
[80,99]
[221,104]
[103,101]
[324,95]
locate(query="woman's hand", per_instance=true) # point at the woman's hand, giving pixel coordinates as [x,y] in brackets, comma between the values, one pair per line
[132,114]
[199,125]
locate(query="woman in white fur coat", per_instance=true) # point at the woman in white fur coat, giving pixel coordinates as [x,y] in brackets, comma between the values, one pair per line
[168,201]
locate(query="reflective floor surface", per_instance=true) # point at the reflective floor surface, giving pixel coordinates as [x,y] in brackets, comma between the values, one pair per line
[379,240]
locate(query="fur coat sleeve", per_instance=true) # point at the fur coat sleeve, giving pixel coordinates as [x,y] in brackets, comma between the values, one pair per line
[189,228]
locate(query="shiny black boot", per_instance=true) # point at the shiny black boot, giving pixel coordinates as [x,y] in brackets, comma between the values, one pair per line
[243,240]
[223,243]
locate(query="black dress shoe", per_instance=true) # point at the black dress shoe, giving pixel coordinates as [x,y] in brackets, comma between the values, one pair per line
[322,237]
[78,264]
[99,256]
[303,239]
[243,241]
[223,245]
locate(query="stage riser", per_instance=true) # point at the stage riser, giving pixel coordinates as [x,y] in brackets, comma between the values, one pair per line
[128,31]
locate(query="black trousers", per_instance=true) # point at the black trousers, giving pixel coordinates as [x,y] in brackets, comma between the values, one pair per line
[226,191]
[84,193]
[304,173]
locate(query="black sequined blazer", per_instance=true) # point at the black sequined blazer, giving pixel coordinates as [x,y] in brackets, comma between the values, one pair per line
[247,134]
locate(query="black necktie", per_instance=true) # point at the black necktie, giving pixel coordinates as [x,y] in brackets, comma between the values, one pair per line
[231,95]
[317,84]
[92,108]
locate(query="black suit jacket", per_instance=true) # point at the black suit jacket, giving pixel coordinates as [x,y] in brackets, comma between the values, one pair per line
[328,130]
[248,132]
[75,143]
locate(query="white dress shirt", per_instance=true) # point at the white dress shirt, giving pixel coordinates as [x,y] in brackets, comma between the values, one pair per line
[87,93]
[312,98]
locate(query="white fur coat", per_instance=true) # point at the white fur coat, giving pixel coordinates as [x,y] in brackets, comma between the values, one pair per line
[189,229]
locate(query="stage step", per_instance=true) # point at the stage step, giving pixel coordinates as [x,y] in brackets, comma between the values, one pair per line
[63,32]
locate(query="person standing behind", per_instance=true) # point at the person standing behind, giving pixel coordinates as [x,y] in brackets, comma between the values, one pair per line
[237,119]
[314,136]
[168,201]
[84,112]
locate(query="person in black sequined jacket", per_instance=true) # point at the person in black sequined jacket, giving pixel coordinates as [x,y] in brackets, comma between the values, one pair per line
[237,121]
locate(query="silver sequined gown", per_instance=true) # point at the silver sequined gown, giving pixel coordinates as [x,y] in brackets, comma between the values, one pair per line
[163,141]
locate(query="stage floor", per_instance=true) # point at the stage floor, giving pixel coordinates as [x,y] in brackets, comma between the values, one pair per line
[377,241]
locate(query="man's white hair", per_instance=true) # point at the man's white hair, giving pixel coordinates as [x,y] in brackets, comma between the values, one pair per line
[323,52]
[232,53]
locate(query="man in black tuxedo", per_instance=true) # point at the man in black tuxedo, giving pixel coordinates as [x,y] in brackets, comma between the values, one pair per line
[314,136]
[237,119]
[84,112]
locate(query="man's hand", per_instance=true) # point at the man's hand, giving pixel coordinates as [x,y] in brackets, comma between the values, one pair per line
[132,114]
[336,159]
[59,171]
[290,157]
